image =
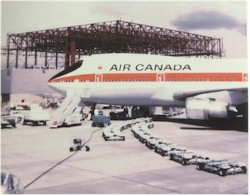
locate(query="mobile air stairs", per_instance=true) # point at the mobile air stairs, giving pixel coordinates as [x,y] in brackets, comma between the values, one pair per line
[66,108]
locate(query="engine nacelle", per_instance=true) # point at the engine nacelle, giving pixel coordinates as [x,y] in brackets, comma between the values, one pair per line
[206,109]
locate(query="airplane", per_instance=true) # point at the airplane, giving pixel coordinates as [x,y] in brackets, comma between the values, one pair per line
[207,88]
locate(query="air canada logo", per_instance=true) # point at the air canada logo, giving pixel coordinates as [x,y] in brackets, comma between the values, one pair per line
[150,67]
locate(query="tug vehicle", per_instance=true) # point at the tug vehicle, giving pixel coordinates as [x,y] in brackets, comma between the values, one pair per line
[100,120]
[78,145]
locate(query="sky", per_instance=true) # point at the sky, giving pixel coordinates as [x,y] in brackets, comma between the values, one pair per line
[220,19]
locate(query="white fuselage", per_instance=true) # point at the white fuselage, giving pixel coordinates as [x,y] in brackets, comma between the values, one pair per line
[134,79]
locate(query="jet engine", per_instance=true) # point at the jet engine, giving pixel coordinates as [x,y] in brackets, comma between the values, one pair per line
[209,108]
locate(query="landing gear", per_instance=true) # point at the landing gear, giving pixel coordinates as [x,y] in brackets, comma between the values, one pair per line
[139,112]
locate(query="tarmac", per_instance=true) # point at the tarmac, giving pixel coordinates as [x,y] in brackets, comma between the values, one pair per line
[40,156]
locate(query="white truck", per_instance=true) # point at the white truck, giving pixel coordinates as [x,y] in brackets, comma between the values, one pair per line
[18,110]
[36,115]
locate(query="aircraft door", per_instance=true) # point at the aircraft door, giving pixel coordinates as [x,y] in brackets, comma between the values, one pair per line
[160,77]
[98,78]
[245,77]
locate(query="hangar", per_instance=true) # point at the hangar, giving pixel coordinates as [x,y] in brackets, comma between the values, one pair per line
[68,44]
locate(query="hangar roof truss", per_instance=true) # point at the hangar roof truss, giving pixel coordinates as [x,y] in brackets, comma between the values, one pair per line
[107,37]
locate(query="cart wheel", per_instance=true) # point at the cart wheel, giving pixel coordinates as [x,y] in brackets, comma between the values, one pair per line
[34,123]
[87,148]
[71,149]
[184,162]
[19,119]
[222,172]
[171,157]
[200,167]
[244,169]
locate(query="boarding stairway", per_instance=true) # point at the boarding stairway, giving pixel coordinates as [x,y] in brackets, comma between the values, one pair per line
[65,108]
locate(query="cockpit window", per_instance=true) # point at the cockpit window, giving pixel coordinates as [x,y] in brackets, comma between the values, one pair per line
[69,69]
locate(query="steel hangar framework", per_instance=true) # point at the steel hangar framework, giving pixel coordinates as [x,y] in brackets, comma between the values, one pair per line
[67,44]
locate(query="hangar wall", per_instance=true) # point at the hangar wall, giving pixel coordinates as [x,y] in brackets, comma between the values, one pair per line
[26,81]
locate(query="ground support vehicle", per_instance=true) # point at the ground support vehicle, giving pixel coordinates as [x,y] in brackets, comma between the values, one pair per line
[118,113]
[148,125]
[198,158]
[18,110]
[166,149]
[75,118]
[146,120]
[124,125]
[100,121]
[142,136]
[7,120]
[137,132]
[152,141]
[162,147]
[78,145]
[19,115]
[128,124]
[36,115]
[135,127]
[113,134]
[185,157]
[142,125]
[131,123]
[222,167]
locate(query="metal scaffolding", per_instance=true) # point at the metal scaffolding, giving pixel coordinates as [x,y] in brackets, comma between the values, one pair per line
[67,44]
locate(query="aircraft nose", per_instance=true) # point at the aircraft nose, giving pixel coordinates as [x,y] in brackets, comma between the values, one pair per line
[66,71]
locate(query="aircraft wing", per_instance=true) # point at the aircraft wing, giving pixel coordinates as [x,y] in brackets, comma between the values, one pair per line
[182,96]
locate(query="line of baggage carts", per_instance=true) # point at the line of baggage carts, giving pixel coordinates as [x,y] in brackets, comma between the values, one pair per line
[141,129]
[114,131]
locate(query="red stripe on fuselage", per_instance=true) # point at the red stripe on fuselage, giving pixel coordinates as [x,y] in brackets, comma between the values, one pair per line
[153,77]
